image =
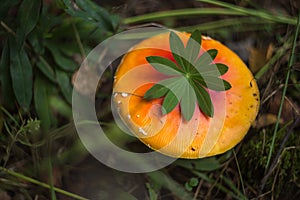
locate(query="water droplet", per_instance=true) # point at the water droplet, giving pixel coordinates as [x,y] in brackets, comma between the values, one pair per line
[142,131]
[137,115]
[115,94]
[128,116]
[124,94]
[119,102]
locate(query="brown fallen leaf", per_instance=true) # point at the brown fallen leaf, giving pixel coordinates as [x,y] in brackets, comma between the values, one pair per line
[259,56]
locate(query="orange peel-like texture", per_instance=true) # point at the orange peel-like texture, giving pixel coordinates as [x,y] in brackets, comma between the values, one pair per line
[235,109]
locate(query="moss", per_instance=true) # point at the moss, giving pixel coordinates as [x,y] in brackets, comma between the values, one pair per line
[253,158]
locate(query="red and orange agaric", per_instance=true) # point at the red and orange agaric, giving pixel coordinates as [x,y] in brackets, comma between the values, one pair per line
[170,134]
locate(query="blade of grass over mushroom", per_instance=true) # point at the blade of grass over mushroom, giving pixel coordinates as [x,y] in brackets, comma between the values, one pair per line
[290,64]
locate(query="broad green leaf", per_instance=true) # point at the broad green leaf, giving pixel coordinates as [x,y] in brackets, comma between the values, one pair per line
[156,91]
[177,49]
[193,46]
[101,16]
[64,83]
[169,103]
[93,13]
[206,58]
[204,100]
[35,38]
[164,65]
[46,69]
[41,103]
[21,74]
[5,78]
[188,103]
[28,16]
[64,62]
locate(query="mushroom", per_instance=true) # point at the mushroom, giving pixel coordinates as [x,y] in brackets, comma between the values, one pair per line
[201,136]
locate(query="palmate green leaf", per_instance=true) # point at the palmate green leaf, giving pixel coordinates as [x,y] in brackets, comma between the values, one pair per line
[192,75]
[193,46]
[212,83]
[156,91]
[164,65]
[161,88]
[222,68]
[169,102]
[188,103]
[204,100]
[213,70]
[178,50]
[206,58]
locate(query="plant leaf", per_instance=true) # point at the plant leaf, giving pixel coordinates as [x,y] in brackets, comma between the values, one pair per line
[188,103]
[177,49]
[28,16]
[164,65]
[169,103]
[5,78]
[41,102]
[156,91]
[21,74]
[206,58]
[222,68]
[213,70]
[204,100]
[61,60]
[215,83]
[193,46]
[64,82]
[46,69]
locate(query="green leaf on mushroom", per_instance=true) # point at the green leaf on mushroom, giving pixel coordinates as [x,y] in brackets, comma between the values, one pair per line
[190,77]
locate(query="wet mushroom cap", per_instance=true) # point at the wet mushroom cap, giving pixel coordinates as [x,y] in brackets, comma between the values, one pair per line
[235,109]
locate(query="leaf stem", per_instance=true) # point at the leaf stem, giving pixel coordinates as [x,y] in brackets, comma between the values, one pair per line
[290,63]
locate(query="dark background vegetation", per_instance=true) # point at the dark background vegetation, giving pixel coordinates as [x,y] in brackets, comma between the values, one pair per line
[43,43]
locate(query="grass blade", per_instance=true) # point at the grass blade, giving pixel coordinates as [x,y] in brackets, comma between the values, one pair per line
[290,63]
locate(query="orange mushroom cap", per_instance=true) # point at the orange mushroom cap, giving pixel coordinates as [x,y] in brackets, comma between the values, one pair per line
[235,109]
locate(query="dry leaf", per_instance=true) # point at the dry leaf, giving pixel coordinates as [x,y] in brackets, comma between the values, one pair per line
[259,56]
